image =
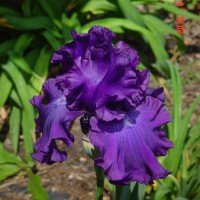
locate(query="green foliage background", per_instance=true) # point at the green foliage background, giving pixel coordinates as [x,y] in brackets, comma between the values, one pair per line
[31,30]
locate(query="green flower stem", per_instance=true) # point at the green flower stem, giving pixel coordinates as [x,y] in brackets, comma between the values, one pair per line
[116,192]
[93,153]
[100,183]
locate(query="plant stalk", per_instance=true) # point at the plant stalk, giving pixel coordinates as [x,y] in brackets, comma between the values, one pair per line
[100,183]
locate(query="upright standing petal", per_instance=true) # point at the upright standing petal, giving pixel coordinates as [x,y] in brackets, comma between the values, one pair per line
[103,76]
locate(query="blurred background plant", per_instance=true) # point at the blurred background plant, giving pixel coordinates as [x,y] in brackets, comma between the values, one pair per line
[31,30]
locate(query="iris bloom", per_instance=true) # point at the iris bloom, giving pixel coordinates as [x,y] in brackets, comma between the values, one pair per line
[102,81]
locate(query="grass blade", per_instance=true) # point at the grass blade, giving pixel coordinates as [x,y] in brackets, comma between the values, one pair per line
[130,12]
[50,7]
[182,136]
[177,99]
[52,40]
[8,11]
[35,187]
[22,64]
[28,112]
[98,7]
[31,23]
[7,170]
[15,98]
[6,46]
[178,11]
[6,157]
[160,26]
[41,68]
[5,88]
[23,42]
[15,119]
[26,7]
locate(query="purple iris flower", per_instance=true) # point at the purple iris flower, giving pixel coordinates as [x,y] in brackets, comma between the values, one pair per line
[125,116]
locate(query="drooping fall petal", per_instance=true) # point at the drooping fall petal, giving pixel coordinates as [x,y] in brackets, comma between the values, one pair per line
[129,146]
[52,123]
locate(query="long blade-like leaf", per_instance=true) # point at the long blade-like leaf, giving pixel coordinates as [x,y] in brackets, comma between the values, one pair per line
[15,118]
[5,88]
[178,11]
[182,136]
[31,23]
[28,112]
[131,12]
[35,187]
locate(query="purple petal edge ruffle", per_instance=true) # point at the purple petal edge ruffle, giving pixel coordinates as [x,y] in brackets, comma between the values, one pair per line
[101,74]
[129,146]
[53,123]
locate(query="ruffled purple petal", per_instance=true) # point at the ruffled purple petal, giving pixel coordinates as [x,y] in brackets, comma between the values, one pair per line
[104,75]
[129,146]
[98,37]
[156,92]
[126,56]
[80,85]
[53,123]
[128,89]
[70,51]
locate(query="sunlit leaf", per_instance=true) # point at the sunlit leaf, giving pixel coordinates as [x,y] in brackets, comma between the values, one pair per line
[98,7]
[35,187]
[7,170]
[31,23]
[5,88]
[23,42]
[28,112]
[178,11]
[130,12]
[55,43]
[6,157]
[15,119]
[41,69]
